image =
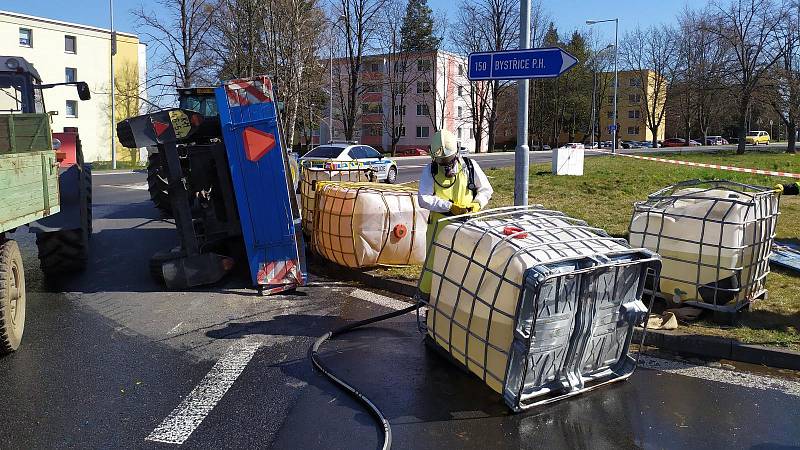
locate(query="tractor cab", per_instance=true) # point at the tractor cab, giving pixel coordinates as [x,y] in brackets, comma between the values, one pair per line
[198,99]
[21,87]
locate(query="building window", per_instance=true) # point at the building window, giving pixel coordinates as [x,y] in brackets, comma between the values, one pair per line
[460,70]
[423,132]
[634,98]
[610,99]
[375,130]
[423,87]
[422,110]
[70,45]
[460,112]
[423,65]
[461,91]
[72,108]
[400,131]
[376,67]
[471,134]
[636,82]
[372,88]
[371,108]
[610,114]
[458,132]
[634,114]
[400,110]
[633,130]
[26,37]
[70,74]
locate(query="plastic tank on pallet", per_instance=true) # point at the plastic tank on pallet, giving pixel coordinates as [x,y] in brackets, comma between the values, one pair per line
[309,178]
[714,238]
[538,305]
[369,224]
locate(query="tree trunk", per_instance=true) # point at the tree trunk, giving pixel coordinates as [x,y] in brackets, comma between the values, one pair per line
[740,133]
[791,131]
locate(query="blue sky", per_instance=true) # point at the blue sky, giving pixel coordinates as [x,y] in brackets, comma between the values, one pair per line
[568,14]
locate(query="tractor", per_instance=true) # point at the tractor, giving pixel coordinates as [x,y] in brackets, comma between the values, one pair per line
[42,185]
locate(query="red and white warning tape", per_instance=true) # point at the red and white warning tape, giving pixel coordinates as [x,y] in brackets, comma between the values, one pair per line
[771,173]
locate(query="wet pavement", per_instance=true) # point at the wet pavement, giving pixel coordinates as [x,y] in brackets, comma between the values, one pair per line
[114,360]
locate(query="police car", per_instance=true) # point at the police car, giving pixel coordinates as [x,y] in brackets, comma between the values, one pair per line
[349,155]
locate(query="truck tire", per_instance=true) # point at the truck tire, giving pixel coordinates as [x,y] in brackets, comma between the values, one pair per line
[12,297]
[158,185]
[87,175]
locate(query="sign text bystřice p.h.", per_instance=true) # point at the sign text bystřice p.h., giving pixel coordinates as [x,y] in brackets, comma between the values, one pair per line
[517,64]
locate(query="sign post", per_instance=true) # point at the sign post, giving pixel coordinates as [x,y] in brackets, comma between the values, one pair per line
[521,64]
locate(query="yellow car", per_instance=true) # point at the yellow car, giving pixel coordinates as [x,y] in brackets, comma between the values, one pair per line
[757,137]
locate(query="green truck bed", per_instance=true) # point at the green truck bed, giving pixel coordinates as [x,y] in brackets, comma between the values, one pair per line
[28,170]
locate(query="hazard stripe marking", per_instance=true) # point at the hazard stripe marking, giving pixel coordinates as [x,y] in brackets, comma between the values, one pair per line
[708,166]
[183,420]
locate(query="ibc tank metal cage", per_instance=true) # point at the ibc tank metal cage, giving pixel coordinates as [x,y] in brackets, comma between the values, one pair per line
[310,176]
[714,238]
[335,236]
[538,305]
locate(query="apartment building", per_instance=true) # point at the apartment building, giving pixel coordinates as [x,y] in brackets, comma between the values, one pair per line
[431,93]
[63,51]
[631,107]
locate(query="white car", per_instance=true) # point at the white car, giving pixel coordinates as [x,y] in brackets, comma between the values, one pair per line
[351,156]
[573,145]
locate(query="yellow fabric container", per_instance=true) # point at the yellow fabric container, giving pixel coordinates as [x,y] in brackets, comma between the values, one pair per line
[369,224]
[313,175]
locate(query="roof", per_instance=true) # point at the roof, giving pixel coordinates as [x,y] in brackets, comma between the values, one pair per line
[11,64]
[64,24]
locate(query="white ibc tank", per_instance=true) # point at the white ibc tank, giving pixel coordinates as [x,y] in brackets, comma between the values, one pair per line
[568,160]
[369,224]
[511,292]
[714,238]
[310,176]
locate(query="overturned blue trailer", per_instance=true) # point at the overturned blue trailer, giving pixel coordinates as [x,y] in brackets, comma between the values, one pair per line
[230,190]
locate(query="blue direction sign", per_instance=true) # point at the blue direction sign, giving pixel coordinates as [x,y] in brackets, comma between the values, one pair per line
[517,64]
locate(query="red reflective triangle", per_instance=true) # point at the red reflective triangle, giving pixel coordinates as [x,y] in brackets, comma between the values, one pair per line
[257,143]
[160,127]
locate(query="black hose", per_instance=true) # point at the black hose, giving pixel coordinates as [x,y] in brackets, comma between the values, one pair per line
[387,429]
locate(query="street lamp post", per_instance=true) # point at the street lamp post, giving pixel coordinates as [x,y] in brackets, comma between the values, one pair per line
[593,62]
[330,92]
[616,80]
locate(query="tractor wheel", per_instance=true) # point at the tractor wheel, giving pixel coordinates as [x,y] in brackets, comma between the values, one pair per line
[12,297]
[63,252]
[158,185]
[87,175]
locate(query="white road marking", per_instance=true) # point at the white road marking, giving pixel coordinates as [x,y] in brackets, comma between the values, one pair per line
[184,419]
[742,379]
[138,186]
[378,299]
[175,328]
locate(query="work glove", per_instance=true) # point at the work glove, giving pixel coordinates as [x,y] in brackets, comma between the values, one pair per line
[457,210]
[778,189]
[474,207]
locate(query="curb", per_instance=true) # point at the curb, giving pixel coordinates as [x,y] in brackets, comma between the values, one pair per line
[685,344]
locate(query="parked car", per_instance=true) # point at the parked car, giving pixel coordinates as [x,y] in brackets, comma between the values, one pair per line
[347,155]
[416,151]
[714,140]
[573,145]
[679,142]
[757,137]
[646,144]
[605,144]
[540,147]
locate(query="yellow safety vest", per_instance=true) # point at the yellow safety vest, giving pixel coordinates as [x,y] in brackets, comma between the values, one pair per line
[457,191]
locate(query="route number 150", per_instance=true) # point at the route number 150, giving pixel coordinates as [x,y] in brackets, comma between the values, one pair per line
[480,66]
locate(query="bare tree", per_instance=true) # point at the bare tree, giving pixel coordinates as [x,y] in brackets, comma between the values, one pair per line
[784,94]
[467,38]
[749,28]
[650,54]
[178,31]
[358,33]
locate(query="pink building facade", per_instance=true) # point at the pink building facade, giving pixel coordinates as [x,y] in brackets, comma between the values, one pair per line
[432,92]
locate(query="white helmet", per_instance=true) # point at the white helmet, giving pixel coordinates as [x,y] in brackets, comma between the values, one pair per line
[444,148]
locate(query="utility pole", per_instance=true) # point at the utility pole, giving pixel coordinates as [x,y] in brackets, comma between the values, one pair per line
[522,154]
[330,92]
[113,88]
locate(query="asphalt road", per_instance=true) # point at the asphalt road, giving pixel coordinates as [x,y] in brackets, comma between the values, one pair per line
[111,360]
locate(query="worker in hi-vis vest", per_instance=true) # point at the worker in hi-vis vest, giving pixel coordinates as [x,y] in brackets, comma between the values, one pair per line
[450,185]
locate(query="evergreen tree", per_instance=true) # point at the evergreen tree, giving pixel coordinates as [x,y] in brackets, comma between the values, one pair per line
[417,29]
